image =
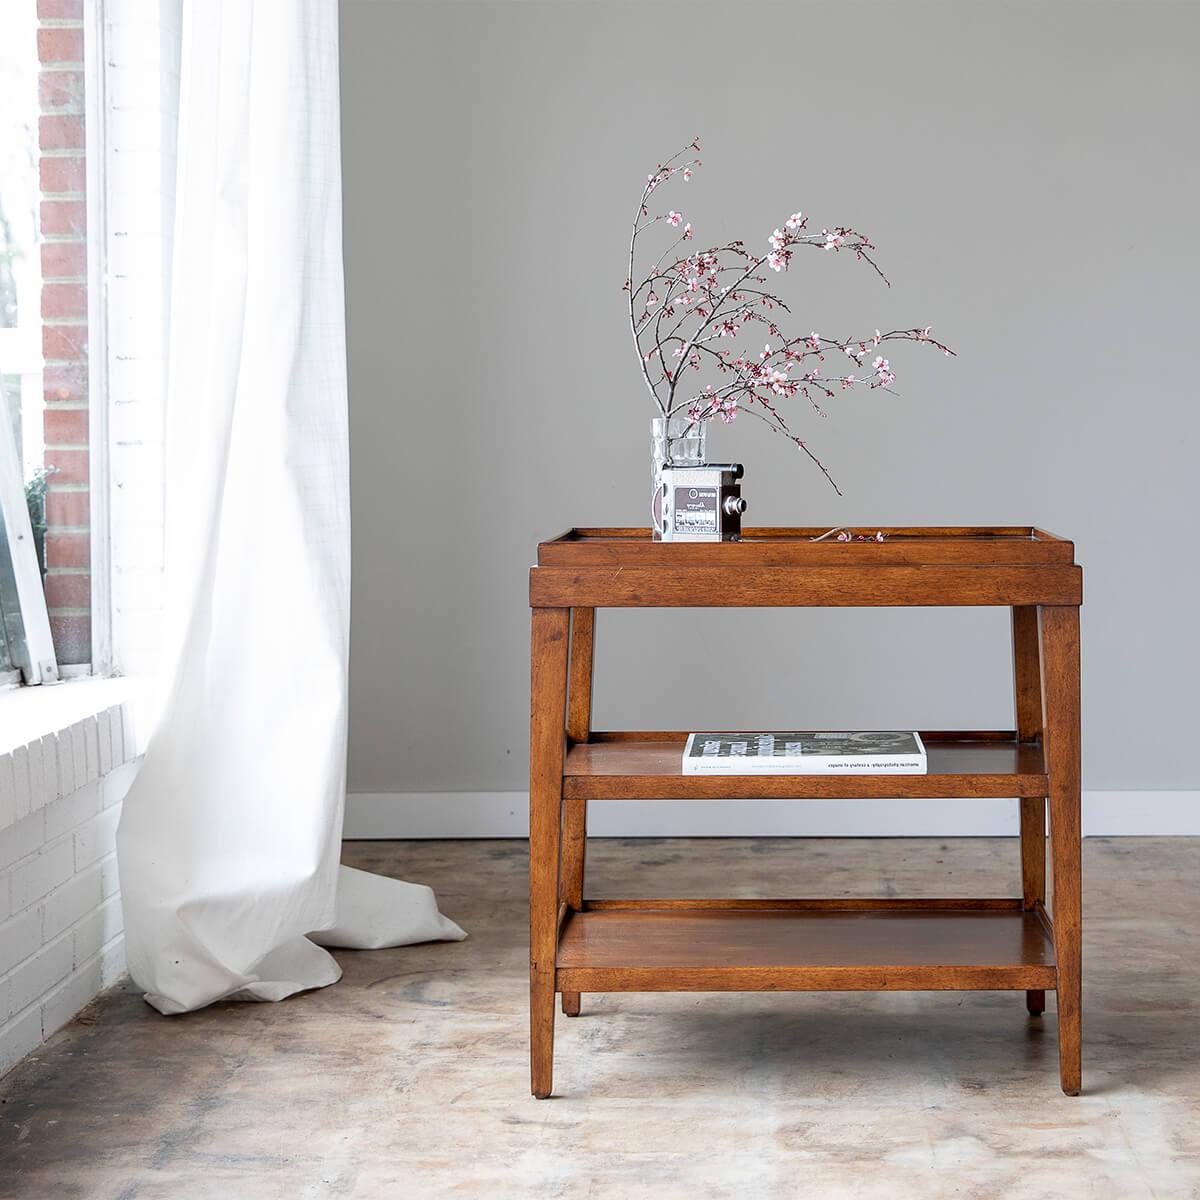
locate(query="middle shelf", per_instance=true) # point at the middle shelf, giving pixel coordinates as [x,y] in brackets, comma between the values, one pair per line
[649,766]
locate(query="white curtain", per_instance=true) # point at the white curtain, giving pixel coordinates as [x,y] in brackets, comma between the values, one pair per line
[229,840]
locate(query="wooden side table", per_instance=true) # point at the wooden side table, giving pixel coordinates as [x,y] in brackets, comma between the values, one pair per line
[578,946]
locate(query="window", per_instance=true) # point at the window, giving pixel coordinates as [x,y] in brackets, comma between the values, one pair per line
[45,457]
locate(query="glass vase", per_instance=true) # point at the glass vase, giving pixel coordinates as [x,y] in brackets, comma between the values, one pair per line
[674,442]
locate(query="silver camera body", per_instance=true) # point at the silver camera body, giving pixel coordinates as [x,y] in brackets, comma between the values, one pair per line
[702,503]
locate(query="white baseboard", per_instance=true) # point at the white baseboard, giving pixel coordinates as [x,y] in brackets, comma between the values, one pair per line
[506,815]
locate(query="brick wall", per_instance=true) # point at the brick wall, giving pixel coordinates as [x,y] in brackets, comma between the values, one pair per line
[61,936]
[63,173]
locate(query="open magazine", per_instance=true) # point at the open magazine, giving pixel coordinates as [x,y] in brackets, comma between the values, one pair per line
[871,752]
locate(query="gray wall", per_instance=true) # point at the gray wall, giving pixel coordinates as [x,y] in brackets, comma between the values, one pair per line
[1029,174]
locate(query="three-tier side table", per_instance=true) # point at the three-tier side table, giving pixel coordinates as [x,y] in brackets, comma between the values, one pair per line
[1016,944]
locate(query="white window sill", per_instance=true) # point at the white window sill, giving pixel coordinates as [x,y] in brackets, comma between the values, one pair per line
[58,738]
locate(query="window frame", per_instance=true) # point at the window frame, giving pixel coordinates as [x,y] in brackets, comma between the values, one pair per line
[29,656]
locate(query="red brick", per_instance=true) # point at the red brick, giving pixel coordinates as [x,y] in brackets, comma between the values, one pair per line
[64,342]
[64,383]
[63,174]
[68,549]
[67,508]
[60,89]
[64,217]
[60,133]
[60,45]
[70,466]
[68,591]
[64,300]
[72,637]
[60,10]
[65,426]
[64,260]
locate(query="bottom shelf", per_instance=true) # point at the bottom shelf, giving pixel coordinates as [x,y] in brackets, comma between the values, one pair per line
[804,946]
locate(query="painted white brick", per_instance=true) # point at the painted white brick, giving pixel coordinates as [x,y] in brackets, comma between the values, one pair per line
[71,902]
[48,746]
[20,771]
[37,975]
[19,938]
[66,763]
[112,962]
[110,883]
[8,794]
[104,740]
[98,929]
[71,995]
[21,840]
[91,747]
[96,838]
[37,771]
[79,753]
[64,815]
[115,785]
[18,1037]
[42,874]
[116,736]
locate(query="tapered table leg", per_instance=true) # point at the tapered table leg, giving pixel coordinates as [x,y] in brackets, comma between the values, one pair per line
[579,725]
[1060,700]
[547,737]
[1027,693]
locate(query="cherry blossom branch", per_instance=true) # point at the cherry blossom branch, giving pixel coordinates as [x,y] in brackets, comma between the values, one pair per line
[702,308]
[664,172]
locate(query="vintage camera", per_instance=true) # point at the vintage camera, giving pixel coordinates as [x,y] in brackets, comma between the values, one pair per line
[702,503]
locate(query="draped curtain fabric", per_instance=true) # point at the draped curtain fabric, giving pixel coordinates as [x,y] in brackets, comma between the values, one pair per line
[229,839]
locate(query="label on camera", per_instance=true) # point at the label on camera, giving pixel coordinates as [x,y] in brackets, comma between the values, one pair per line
[695,510]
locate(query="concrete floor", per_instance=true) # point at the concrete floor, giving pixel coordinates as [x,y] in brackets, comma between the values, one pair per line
[409,1078]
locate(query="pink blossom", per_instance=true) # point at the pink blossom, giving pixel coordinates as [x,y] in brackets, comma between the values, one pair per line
[687,174]
[651,299]
[728,410]
[877,338]
[778,240]
[673,218]
[843,536]
[687,232]
[833,239]
[777,260]
[848,381]
[795,220]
